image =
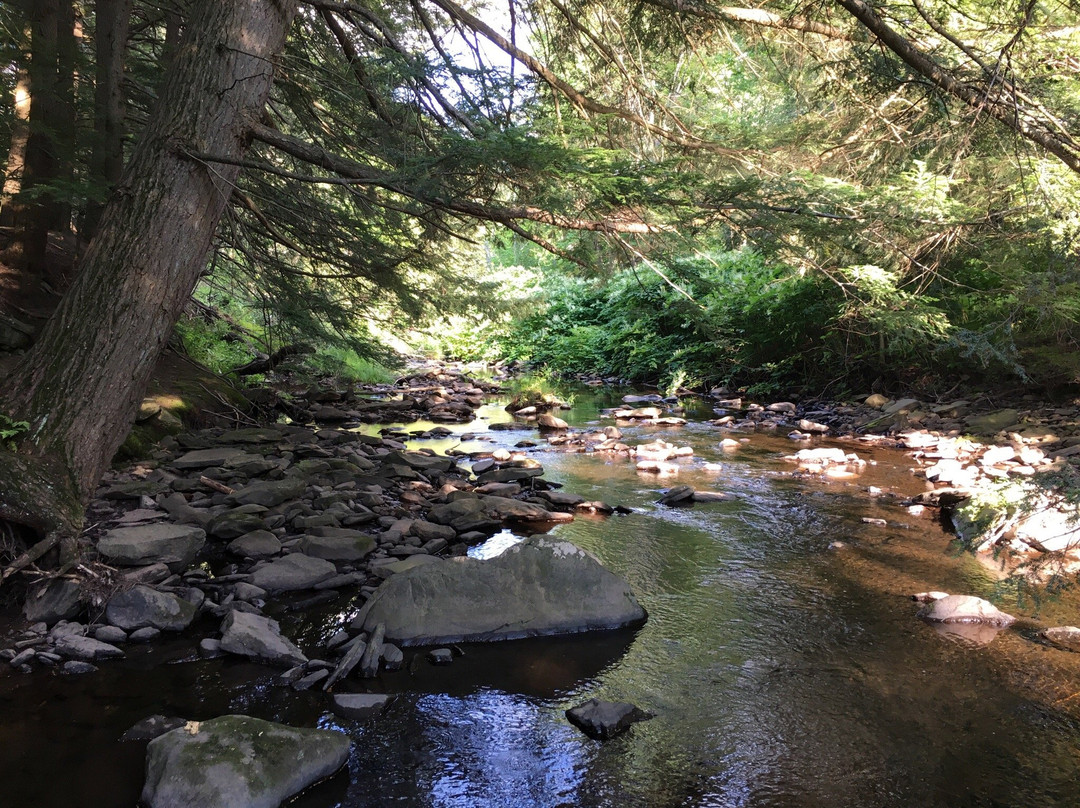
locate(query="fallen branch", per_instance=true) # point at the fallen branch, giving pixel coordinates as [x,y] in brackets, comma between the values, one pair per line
[32,555]
[264,365]
[221,488]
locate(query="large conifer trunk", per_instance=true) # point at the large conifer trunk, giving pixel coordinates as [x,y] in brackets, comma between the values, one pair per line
[80,385]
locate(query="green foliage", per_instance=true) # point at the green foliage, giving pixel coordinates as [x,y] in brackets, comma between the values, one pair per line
[11,429]
[206,342]
[349,366]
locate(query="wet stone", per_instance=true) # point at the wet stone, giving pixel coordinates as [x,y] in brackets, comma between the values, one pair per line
[440,656]
[605,719]
[359,705]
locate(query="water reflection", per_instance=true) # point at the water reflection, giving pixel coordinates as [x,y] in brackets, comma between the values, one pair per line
[783,674]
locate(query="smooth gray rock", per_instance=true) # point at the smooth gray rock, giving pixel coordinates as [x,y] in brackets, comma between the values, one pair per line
[110,634]
[236,761]
[538,587]
[605,719]
[260,638]
[174,545]
[73,667]
[256,544]
[358,705]
[52,601]
[86,649]
[143,607]
[350,545]
[965,609]
[234,524]
[146,634]
[293,572]
[270,492]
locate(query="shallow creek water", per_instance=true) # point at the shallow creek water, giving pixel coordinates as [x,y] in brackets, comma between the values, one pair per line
[781,673]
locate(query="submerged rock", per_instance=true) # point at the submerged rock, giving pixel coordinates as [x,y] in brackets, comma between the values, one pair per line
[605,719]
[537,587]
[239,762]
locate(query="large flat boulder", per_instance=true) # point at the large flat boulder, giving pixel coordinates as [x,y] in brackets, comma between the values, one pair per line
[239,762]
[259,638]
[292,573]
[144,607]
[141,546]
[538,587]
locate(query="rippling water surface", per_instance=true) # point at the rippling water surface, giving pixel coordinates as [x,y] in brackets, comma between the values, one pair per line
[781,672]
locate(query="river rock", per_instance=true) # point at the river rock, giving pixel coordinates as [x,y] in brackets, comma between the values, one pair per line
[269,492]
[418,461]
[678,495]
[537,587]
[993,422]
[206,458]
[141,607]
[293,572]
[548,421]
[260,638]
[358,705]
[1065,637]
[234,524]
[507,475]
[174,545]
[239,762]
[965,609]
[256,544]
[337,544]
[605,719]
[85,649]
[52,601]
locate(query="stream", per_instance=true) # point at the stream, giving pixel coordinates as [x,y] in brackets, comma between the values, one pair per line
[782,672]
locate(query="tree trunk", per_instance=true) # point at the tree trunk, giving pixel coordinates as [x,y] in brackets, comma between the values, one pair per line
[80,385]
[36,214]
[107,159]
[20,130]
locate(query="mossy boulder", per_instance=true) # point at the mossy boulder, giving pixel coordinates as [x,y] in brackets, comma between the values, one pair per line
[239,762]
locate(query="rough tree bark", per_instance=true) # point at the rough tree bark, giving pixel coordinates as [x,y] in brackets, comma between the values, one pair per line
[80,384]
[107,158]
[20,130]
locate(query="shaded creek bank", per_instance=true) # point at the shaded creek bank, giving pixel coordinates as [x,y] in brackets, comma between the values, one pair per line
[781,672]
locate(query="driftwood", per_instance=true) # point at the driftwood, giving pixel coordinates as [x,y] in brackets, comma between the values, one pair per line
[268,363]
[369,665]
[32,555]
[221,488]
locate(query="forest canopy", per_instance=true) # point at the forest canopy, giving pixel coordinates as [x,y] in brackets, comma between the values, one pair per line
[830,196]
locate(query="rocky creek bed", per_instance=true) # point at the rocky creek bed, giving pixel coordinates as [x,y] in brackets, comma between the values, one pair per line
[226,536]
